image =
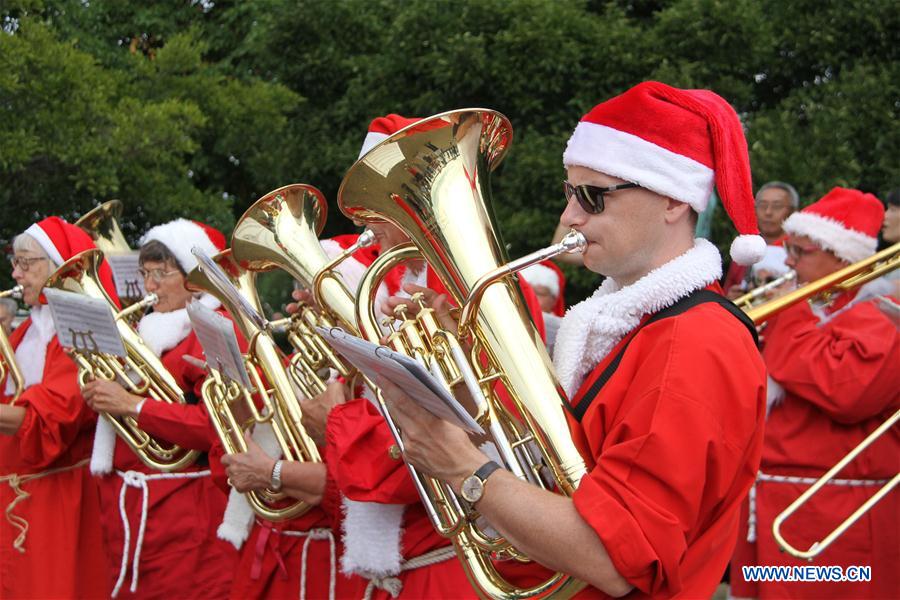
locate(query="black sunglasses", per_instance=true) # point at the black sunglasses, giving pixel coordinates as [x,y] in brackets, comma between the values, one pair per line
[590,197]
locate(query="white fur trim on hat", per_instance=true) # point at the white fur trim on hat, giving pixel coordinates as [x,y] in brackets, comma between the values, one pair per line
[238,517]
[179,236]
[539,274]
[634,159]
[373,138]
[847,244]
[593,327]
[372,534]
[41,237]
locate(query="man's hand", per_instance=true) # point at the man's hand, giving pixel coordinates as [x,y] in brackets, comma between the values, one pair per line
[300,297]
[315,410]
[250,470]
[110,397]
[735,292]
[430,444]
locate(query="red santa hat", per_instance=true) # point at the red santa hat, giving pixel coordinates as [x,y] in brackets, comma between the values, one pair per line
[678,143]
[61,241]
[547,274]
[382,128]
[844,221]
[180,235]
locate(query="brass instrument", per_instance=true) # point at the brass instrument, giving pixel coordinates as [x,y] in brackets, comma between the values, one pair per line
[227,401]
[8,364]
[102,224]
[431,179]
[840,281]
[843,280]
[281,230]
[141,373]
[758,294]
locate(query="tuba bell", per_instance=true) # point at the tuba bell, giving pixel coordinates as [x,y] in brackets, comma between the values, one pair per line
[102,224]
[431,179]
[232,407]
[8,365]
[141,373]
[281,230]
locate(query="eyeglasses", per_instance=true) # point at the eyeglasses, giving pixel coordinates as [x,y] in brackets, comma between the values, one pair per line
[590,197]
[797,252]
[23,264]
[157,275]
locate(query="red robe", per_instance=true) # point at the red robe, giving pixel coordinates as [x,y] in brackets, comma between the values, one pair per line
[64,555]
[672,443]
[841,379]
[181,556]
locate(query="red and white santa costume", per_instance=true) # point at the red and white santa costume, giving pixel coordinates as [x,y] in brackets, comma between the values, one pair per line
[834,378]
[50,541]
[160,527]
[296,558]
[672,438]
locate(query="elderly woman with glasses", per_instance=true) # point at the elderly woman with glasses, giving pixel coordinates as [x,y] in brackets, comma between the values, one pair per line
[50,540]
[161,527]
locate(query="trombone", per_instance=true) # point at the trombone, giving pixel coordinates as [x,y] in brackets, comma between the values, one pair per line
[753,297]
[826,288]
[8,364]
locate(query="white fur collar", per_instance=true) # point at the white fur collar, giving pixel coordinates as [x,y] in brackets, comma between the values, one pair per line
[164,331]
[31,353]
[593,327]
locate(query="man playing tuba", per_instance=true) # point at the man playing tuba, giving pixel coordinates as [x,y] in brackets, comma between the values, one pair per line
[666,387]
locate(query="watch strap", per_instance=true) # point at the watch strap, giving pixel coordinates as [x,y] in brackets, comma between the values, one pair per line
[485,470]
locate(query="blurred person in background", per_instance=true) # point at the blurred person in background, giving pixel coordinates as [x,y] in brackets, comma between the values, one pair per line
[8,308]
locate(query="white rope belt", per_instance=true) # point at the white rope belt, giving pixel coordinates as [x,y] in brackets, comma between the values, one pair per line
[392,584]
[137,479]
[15,481]
[315,534]
[760,476]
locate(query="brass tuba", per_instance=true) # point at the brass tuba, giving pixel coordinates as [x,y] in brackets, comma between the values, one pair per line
[8,364]
[228,402]
[102,224]
[281,230]
[844,280]
[431,179]
[141,373]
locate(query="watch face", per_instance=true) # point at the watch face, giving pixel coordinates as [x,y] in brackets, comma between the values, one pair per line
[472,489]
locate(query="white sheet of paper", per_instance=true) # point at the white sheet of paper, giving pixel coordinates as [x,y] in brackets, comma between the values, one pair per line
[125,268]
[84,323]
[220,279]
[220,345]
[405,373]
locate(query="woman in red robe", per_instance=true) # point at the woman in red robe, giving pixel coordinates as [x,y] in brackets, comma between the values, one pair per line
[161,527]
[50,541]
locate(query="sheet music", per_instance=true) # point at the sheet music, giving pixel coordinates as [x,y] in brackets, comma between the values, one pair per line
[220,345]
[84,323]
[125,268]
[404,372]
[223,283]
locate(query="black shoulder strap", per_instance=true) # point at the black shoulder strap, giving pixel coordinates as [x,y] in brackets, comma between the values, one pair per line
[696,298]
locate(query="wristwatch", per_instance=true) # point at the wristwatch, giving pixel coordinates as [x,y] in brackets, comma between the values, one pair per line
[275,484]
[472,488]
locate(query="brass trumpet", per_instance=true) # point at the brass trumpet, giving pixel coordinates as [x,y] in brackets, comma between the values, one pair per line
[8,365]
[431,179]
[227,401]
[844,280]
[141,372]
